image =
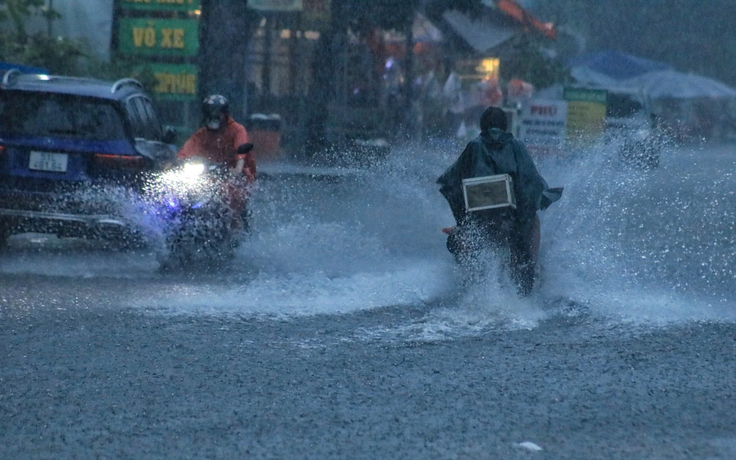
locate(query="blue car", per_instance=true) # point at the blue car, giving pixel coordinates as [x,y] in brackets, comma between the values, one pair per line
[72,153]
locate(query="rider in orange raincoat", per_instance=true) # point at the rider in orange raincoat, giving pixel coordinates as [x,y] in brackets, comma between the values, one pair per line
[218,141]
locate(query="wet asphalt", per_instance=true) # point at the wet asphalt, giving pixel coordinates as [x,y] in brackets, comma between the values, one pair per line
[84,376]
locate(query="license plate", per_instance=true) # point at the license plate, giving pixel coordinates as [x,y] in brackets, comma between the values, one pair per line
[48,161]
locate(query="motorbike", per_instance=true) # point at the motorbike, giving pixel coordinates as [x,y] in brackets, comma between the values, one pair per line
[492,224]
[496,233]
[194,203]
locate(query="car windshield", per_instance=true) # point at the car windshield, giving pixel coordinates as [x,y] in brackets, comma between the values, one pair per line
[55,115]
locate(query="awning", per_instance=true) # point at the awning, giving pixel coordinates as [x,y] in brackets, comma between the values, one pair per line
[502,20]
[611,65]
[481,35]
[423,31]
[671,84]
[523,17]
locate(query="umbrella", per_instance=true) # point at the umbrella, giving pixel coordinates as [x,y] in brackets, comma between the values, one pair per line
[671,84]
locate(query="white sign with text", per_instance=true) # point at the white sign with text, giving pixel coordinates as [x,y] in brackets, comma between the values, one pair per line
[543,123]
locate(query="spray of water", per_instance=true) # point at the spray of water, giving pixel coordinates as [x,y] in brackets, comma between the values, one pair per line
[643,245]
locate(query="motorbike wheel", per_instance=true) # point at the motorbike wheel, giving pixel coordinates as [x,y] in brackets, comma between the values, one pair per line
[518,263]
[471,251]
[201,240]
[525,261]
[524,275]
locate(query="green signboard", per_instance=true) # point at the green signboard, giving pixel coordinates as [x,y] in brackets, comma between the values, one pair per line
[585,95]
[158,37]
[161,5]
[176,81]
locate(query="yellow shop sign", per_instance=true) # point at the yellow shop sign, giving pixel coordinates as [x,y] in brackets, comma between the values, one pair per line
[174,81]
[158,37]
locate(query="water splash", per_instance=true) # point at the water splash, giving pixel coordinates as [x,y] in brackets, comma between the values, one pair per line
[649,246]
[644,245]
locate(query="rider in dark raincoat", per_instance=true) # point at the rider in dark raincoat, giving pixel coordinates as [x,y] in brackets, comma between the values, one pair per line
[494,152]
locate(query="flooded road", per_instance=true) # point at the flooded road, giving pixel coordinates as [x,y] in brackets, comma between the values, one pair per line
[341,330]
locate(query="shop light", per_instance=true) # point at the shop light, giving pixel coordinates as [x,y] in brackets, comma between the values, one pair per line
[489,67]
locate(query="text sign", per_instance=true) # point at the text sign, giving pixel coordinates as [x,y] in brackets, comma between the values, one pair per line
[586,111]
[159,37]
[161,5]
[543,123]
[175,81]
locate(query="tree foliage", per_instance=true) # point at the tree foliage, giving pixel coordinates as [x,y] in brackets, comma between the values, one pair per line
[17,11]
[524,59]
[57,54]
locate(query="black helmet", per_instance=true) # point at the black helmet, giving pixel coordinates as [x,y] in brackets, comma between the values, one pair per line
[215,105]
[213,108]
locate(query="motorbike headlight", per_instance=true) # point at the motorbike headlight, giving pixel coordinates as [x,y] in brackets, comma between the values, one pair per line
[190,176]
[193,169]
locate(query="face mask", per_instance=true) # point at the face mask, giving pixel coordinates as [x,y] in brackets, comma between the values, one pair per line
[214,123]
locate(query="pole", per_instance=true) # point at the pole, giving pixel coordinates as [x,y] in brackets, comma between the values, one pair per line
[267,44]
[49,19]
[409,72]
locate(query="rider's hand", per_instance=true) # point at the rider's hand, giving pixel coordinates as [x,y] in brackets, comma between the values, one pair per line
[238,168]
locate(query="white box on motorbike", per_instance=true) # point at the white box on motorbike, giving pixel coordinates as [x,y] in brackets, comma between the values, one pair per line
[489,192]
